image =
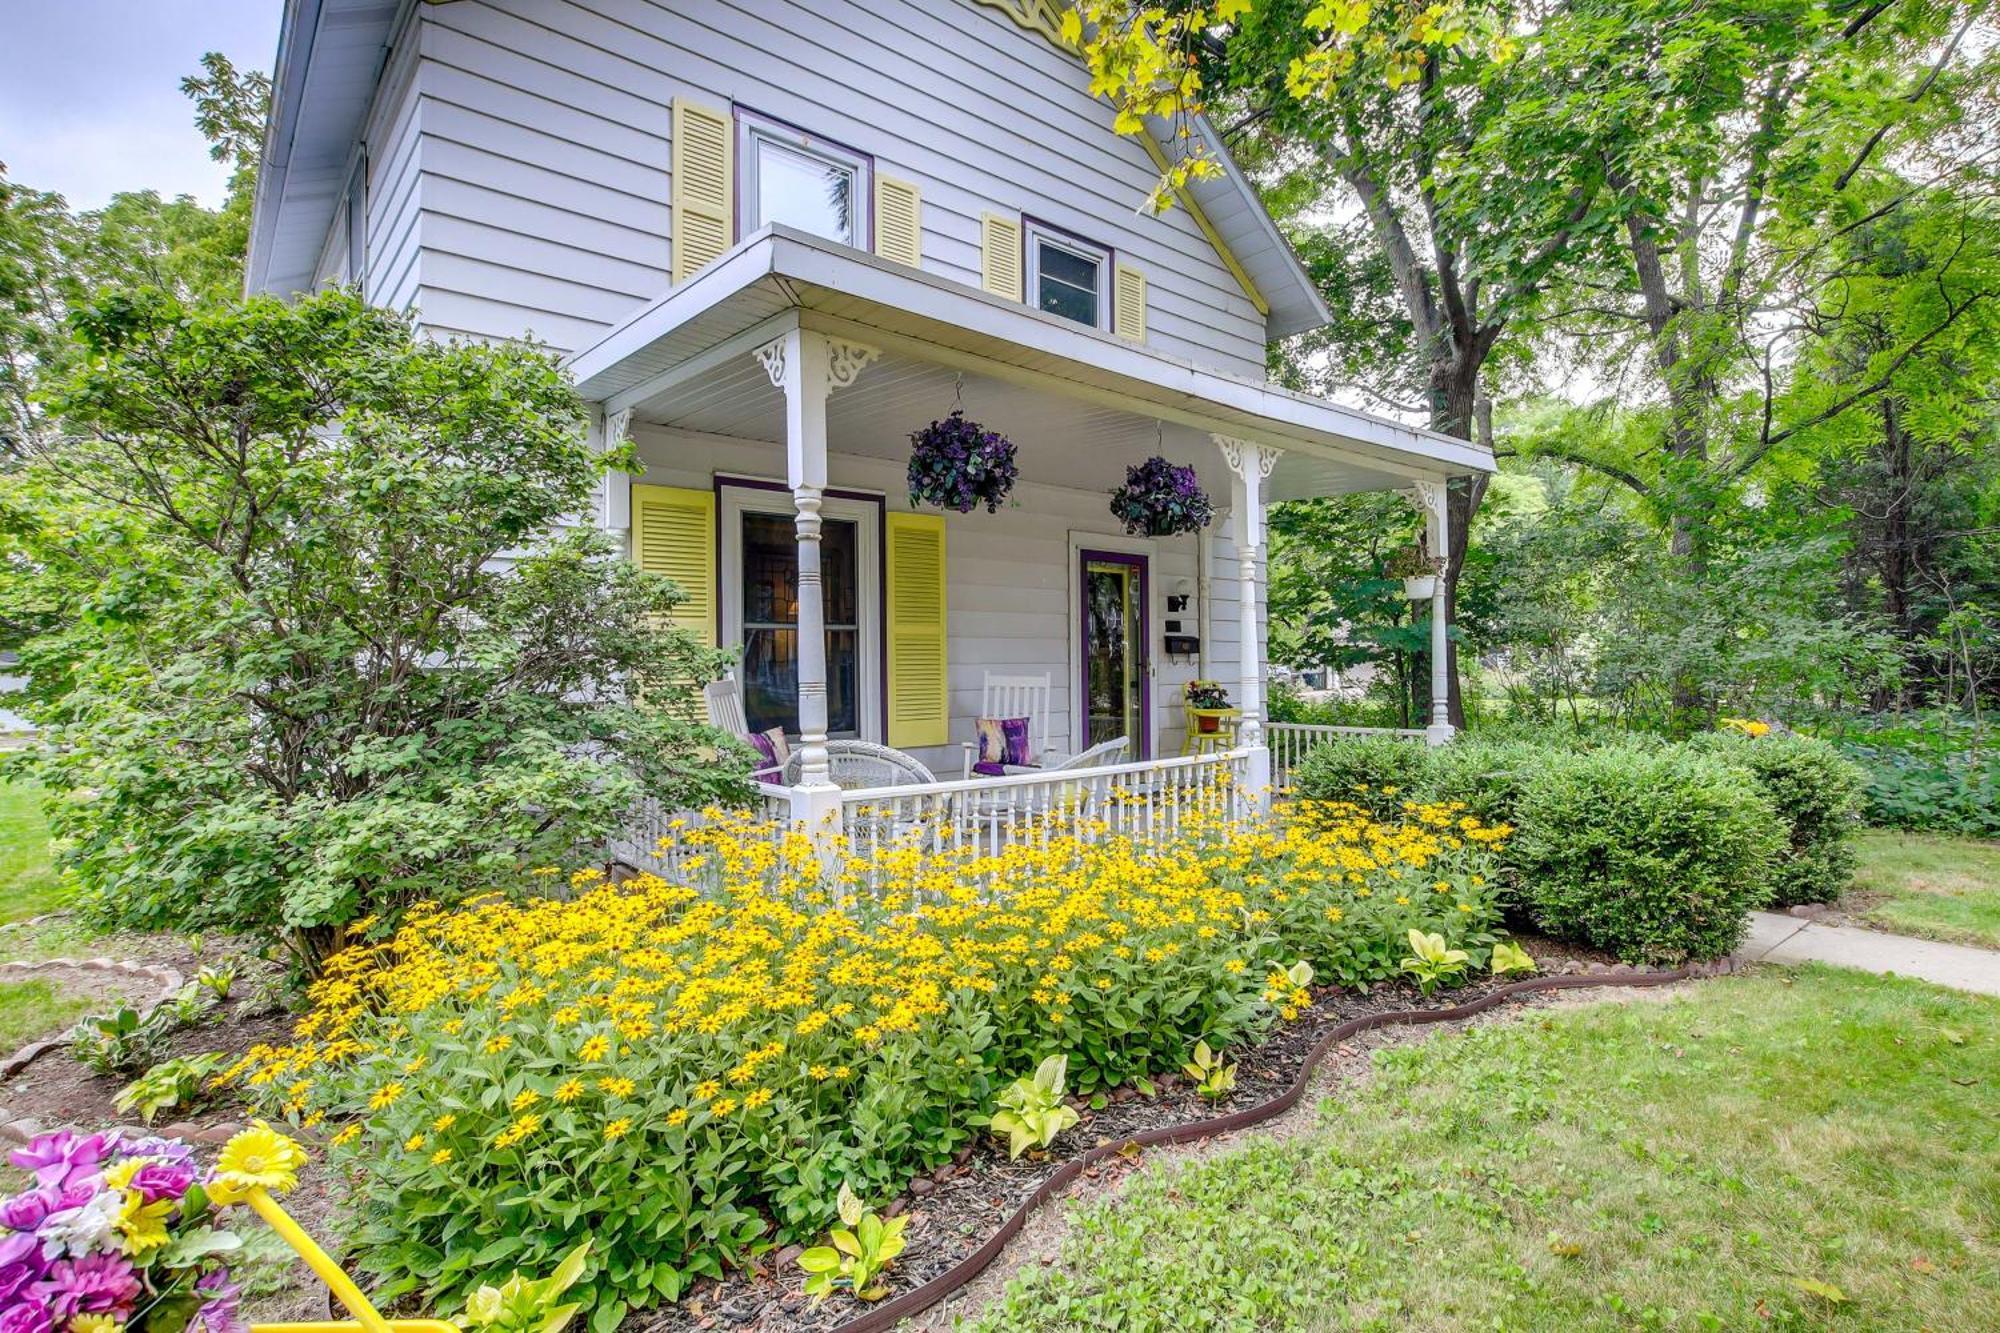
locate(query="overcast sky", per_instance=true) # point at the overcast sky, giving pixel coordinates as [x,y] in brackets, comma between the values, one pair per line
[90,100]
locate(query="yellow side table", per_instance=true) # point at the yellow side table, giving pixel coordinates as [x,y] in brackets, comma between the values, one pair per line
[1223,737]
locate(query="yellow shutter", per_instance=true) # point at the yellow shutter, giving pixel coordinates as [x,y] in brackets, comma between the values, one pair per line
[1128,303]
[704,186]
[673,533]
[899,222]
[919,693]
[1000,255]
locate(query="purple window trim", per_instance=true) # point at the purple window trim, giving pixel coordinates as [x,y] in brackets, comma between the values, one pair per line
[737,111]
[1110,265]
[881,503]
[1142,744]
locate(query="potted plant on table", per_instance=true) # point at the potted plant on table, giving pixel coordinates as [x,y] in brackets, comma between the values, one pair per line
[1207,694]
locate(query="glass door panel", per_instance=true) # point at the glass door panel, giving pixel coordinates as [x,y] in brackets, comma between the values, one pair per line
[1114,651]
[770,669]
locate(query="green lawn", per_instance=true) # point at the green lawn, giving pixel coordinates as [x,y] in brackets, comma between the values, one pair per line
[1930,885]
[1800,1149]
[30,1009]
[28,887]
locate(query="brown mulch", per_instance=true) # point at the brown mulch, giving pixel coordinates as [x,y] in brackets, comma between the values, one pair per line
[955,1209]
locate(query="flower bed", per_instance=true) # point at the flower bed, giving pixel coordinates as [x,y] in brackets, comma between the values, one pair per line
[686,1075]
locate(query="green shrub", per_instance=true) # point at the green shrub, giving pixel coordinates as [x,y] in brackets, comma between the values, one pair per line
[1817,794]
[1936,793]
[1654,855]
[312,640]
[1488,776]
[1378,773]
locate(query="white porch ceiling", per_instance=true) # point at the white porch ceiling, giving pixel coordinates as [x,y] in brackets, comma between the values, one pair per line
[1073,398]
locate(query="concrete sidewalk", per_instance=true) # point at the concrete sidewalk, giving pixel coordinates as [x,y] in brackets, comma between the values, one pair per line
[1785,939]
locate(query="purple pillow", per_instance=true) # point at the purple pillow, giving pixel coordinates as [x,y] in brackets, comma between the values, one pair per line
[761,742]
[1003,741]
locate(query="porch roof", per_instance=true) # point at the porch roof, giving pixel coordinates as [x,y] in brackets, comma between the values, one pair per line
[685,359]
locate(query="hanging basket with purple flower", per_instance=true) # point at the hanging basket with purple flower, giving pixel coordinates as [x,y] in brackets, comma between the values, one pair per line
[959,465]
[1161,499]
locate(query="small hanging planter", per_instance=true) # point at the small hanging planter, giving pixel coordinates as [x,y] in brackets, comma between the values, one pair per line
[959,465]
[1419,573]
[1161,499]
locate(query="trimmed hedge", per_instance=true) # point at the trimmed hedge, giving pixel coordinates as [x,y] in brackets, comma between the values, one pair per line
[1377,773]
[1653,851]
[1817,793]
[1654,855]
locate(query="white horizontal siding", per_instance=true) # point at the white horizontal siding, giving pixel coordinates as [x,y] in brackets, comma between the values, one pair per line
[1009,588]
[394,140]
[545,129]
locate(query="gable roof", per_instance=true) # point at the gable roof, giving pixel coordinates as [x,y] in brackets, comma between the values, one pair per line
[331,54]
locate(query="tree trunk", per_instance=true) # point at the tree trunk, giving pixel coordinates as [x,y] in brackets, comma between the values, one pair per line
[1455,406]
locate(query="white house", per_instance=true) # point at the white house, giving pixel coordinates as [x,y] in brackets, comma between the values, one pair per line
[772,239]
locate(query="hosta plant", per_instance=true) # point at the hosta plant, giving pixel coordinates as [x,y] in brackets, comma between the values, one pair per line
[120,1040]
[1431,962]
[1510,957]
[527,1305]
[1032,1111]
[1213,1077]
[169,1085]
[864,1244]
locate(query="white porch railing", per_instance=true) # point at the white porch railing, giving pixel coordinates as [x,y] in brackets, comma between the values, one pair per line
[1150,803]
[653,840]
[1292,741]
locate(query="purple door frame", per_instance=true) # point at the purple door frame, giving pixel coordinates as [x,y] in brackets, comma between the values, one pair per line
[1142,744]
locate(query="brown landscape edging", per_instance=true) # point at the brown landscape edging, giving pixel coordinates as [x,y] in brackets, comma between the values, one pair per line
[947,1283]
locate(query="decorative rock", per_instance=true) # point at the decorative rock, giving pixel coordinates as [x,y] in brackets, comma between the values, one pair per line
[922,1185]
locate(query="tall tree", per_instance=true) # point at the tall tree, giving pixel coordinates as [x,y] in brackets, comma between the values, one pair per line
[1372,110]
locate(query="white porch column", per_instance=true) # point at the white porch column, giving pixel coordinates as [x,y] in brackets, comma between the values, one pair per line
[614,514]
[808,366]
[1251,464]
[1428,497]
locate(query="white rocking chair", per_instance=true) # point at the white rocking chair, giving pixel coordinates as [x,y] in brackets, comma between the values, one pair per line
[725,706]
[1017,696]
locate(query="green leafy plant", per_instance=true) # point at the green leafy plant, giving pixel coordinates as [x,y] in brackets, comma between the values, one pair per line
[1510,957]
[1431,962]
[1032,1112]
[1655,854]
[187,1006]
[1213,1078]
[525,1305]
[121,1041]
[169,1085]
[217,979]
[864,1244]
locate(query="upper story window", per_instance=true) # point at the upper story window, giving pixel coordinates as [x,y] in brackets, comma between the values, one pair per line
[1067,276]
[793,178]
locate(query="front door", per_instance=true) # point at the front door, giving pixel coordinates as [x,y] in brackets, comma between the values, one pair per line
[1115,661]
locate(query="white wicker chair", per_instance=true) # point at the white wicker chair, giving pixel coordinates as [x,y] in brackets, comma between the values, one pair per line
[858,764]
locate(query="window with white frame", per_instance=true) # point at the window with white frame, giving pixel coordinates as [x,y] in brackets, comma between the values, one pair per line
[802,181]
[1067,276]
[760,568]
